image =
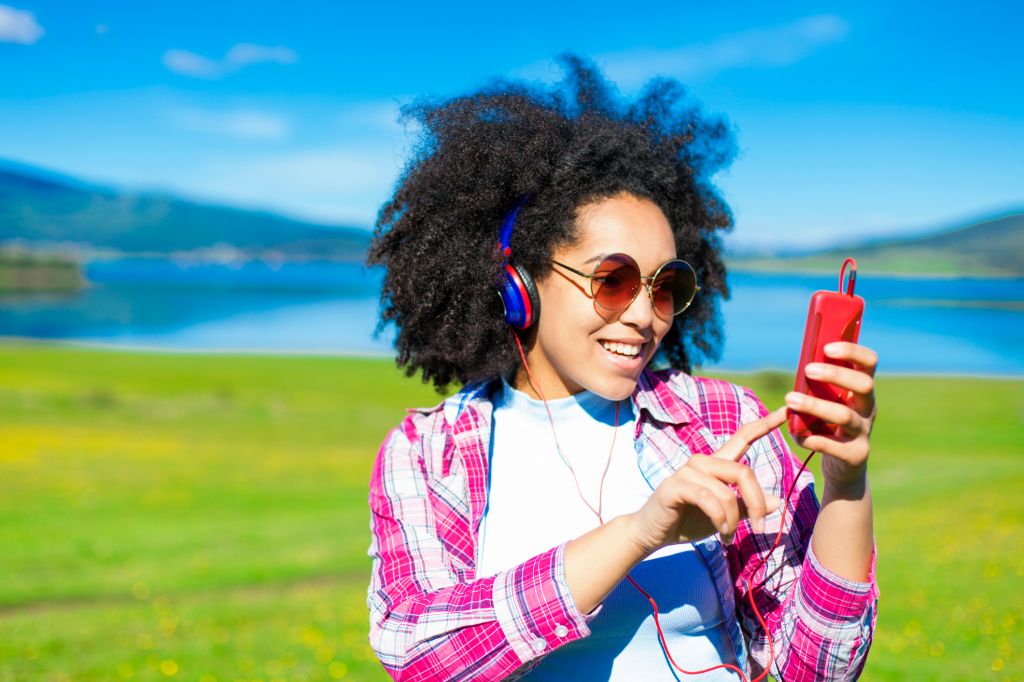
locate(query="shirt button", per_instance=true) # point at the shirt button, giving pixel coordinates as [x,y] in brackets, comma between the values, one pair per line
[561,631]
[540,644]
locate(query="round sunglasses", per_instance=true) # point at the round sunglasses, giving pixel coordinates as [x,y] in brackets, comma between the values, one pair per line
[616,281]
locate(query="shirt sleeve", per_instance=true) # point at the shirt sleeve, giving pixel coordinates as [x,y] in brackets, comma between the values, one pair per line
[821,624]
[426,622]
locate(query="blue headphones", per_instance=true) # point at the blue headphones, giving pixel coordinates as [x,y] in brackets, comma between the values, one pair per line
[517,290]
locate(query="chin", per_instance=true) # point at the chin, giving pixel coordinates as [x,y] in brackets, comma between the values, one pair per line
[613,384]
[616,388]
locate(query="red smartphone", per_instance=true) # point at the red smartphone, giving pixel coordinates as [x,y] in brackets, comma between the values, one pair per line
[832,316]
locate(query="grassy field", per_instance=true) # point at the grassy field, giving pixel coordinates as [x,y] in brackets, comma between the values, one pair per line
[204,517]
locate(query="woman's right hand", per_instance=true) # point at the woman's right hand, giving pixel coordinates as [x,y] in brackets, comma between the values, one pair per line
[697,501]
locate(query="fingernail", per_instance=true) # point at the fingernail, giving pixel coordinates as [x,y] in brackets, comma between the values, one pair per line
[794,399]
[831,348]
[758,525]
[812,370]
[724,527]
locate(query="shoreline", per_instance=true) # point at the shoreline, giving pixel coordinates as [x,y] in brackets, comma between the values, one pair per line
[755,270]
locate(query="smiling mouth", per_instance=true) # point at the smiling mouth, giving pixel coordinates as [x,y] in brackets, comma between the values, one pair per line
[627,350]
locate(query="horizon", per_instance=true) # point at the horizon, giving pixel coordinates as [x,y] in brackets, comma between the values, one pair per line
[741,251]
[852,123]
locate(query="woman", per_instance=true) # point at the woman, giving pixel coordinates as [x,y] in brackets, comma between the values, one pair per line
[546,250]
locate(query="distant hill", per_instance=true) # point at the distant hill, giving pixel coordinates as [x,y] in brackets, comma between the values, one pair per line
[992,246]
[38,208]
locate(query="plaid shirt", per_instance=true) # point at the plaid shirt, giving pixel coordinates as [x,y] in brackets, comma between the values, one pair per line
[431,618]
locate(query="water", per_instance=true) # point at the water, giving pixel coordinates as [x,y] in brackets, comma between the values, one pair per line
[311,307]
[916,325]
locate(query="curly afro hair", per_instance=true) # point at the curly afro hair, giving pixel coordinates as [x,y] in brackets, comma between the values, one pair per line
[565,145]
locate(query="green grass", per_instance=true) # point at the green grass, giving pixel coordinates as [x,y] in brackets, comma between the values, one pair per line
[204,517]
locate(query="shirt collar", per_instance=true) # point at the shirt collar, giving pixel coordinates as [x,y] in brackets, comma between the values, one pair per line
[661,401]
[652,394]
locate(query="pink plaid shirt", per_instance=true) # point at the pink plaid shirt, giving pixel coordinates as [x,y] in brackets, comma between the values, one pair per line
[431,618]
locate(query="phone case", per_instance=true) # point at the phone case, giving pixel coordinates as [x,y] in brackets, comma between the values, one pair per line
[832,316]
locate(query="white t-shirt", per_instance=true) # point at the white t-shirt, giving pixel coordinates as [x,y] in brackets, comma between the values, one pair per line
[533,505]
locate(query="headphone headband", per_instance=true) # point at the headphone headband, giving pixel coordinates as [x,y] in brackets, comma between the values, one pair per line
[505,238]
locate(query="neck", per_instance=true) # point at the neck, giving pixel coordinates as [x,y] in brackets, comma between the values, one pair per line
[545,385]
[537,378]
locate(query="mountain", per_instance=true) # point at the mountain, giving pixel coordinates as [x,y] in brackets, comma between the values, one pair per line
[991,246]
[40,208]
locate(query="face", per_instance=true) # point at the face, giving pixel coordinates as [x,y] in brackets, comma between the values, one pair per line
[578,344]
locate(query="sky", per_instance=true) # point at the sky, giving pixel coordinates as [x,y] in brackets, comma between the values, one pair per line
[852,120]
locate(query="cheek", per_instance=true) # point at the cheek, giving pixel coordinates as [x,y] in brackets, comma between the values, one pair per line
[568,328]
[661,330]
[567,312]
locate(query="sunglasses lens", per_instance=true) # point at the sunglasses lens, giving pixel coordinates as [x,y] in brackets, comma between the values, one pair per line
[616,282]
[674,287]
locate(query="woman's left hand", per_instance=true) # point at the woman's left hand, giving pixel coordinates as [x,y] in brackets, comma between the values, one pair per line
[845,454]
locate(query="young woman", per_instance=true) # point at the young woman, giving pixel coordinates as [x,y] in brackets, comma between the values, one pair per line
[548,250]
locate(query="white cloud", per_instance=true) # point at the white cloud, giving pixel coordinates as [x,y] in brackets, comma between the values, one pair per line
[194,65]
[244,54]
[245,123]
[191,64]
[19,26]
[756,48]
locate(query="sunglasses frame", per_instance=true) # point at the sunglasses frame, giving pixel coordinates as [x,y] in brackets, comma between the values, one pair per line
[647,282]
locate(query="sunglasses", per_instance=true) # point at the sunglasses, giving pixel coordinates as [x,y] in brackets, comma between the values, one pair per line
[616,281]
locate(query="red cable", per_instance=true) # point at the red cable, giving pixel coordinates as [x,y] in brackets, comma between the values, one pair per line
[551,419]
[654,604]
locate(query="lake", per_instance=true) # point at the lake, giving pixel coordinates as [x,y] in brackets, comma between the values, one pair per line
[947,326]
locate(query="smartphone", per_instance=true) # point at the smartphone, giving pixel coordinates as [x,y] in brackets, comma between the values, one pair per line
[832,316]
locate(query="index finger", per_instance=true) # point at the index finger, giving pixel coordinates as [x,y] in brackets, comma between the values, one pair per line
[862,357]
[750,432]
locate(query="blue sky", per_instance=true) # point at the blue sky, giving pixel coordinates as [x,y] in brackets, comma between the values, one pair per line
[852,119]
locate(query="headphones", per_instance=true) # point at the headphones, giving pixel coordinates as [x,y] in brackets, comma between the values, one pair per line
[516,288]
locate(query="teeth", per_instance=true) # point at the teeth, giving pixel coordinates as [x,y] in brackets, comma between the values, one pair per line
[621,348]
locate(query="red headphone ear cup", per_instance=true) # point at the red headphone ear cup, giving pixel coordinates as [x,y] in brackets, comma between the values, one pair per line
[529,288]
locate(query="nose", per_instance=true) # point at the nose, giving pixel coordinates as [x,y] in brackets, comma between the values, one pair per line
[640,312]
